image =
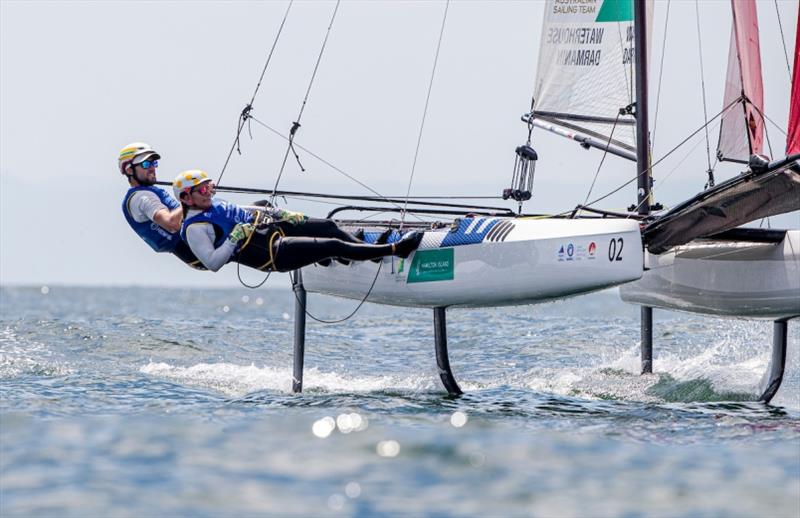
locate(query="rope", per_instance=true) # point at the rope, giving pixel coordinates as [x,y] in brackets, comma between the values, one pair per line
[253,286]
[703,89]
[660,75]
[783,42]
[424,113]
[247,242]
[296,123]
[348,317]
[245,115]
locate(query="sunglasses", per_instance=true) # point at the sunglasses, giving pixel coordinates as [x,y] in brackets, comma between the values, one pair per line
[205,188]
[147,164]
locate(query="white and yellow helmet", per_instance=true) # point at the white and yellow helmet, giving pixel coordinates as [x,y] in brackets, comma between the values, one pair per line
[134,153]
[188,179]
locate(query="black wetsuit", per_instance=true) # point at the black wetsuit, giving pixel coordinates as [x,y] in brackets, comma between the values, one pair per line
[296,246]
[185,254]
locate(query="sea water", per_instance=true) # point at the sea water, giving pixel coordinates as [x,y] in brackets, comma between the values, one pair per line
[178,402]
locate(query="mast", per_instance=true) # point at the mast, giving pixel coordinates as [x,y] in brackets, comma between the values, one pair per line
[643,173]
[642,138]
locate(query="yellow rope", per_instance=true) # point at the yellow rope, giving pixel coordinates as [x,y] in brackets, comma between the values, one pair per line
[249,237]
[271,261]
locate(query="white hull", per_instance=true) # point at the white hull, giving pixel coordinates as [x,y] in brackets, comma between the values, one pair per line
[744,279]
[494,262]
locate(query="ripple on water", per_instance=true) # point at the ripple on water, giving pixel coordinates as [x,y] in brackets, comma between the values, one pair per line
[110,407]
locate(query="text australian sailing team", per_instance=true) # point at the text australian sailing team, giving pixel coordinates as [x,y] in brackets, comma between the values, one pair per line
[207,233]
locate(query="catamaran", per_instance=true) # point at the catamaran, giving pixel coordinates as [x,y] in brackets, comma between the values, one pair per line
[592,87]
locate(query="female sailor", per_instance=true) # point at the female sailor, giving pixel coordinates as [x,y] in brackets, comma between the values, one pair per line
[271,239]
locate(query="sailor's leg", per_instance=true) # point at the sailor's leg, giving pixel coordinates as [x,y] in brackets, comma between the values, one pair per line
[185,254]
[291,253]
[256,252]
[315,227]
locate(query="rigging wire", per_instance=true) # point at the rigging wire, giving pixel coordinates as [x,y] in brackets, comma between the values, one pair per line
[338,170]
[783,42]
[660,76]
[778,126]
[296,123]
[664,178]
[245,115]
[766,130]
[424,113]
[647,169]
[378,196]
[603,159]
[710,182]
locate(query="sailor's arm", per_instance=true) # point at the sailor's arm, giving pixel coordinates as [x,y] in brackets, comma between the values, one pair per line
[200,238]
[169,220]
[145,204]
[292,217]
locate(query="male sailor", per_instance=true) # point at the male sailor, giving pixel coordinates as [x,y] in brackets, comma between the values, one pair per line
[150,210]
[271,239]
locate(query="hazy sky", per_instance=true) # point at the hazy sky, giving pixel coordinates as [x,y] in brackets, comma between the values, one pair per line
[79,80]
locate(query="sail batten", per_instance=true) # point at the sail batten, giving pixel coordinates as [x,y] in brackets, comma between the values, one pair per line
[742,130]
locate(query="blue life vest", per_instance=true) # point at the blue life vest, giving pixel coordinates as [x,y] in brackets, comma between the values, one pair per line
[224,216]
[159,239]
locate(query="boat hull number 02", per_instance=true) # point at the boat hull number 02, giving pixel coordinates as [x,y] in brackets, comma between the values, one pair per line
[615,249]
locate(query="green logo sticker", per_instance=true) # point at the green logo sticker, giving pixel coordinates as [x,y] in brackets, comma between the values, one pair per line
[616,11]
[432,265]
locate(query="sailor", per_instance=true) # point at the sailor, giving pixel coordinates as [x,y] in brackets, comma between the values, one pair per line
[150,210]
[270,239]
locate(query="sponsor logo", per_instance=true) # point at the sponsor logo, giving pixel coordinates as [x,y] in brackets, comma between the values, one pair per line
[156,227]
[432,265]
[577,252]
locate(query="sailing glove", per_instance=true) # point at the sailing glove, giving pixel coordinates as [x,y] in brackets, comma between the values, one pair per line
[295,218]
[239,232]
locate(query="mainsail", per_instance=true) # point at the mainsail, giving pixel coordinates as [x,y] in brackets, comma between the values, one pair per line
[585,74]
[741,133]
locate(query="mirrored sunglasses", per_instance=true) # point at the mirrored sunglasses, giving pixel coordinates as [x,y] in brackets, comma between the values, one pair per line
[147,164]
[205,188]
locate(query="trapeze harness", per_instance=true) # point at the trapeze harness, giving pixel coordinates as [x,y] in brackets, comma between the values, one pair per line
[257,251]
[159,239]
